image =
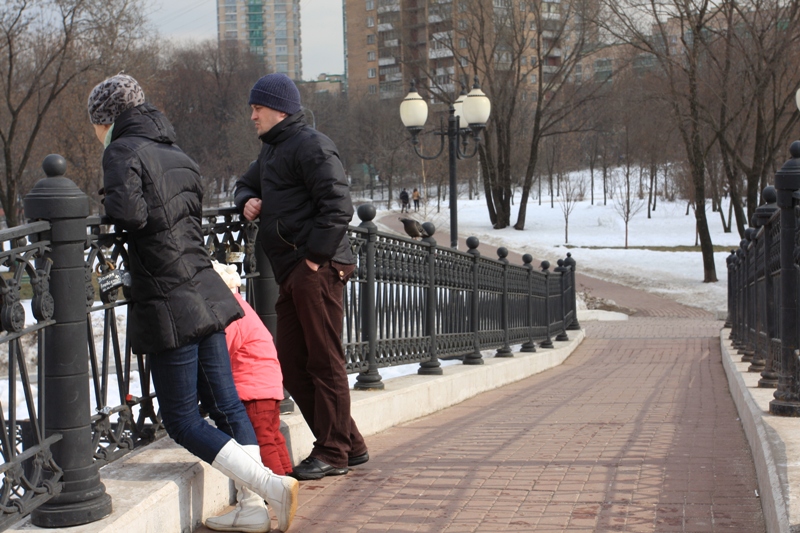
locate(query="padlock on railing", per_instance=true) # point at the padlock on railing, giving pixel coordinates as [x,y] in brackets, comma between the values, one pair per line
[235,254]
[110,279]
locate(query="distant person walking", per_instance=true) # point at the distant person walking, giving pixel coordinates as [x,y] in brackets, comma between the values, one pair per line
[299,189]
[415,196]
[404,201]
[179,305]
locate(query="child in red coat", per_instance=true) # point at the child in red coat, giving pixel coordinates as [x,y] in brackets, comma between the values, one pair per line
[257,375]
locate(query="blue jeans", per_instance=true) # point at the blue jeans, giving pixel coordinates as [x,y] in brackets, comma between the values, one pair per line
[200,370]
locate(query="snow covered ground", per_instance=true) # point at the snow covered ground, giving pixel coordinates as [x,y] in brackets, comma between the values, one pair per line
[597,239]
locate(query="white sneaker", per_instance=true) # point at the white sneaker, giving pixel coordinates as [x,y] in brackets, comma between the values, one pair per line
[244,466]
[250,514]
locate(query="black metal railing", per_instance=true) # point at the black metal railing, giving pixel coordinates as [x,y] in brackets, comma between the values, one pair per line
[763,290]
[408,302]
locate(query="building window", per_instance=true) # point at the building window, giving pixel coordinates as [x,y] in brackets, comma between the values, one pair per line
[371,38]
[533,78]
[523,61]
[371,73]
[370,22]
[371,56]
[373,89]
[462,6]
[462,24]
[464,61]
[603,70]
[462,43]
[370,5]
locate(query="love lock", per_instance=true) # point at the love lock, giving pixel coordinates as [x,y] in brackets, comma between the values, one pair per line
[111,279]
[235,254]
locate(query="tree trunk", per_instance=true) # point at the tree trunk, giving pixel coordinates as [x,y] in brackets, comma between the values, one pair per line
[736,198]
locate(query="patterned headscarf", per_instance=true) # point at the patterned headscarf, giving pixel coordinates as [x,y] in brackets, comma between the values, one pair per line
[111,97]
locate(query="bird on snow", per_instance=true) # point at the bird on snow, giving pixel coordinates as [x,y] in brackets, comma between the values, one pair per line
[413,228]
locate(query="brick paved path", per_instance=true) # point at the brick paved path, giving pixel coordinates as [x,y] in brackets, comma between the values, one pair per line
[635,432]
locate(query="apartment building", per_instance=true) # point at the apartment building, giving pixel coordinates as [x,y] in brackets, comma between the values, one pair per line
[391,42]
[267,28]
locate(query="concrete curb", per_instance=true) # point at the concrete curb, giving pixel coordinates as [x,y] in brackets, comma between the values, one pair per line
[772,441]
[165,489]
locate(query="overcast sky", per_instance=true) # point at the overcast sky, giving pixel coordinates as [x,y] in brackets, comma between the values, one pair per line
[321,23]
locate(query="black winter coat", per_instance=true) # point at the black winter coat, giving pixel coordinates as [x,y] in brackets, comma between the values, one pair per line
[306,198]
[153,190]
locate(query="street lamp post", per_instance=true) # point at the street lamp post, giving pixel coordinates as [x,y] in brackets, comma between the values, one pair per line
[473,110]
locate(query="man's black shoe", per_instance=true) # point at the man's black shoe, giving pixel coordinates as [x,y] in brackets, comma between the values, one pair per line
[356,460]
[313,468]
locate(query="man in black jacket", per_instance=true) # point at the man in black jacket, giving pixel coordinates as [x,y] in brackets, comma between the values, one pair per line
[298,188]
[179,306]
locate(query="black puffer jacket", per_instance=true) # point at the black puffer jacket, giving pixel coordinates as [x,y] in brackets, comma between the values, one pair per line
[306,198]
[152,190]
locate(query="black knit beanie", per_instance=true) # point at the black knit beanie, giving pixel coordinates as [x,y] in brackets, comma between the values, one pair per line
[276,91]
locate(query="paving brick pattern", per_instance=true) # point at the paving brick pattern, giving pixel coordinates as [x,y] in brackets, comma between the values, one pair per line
[635,432]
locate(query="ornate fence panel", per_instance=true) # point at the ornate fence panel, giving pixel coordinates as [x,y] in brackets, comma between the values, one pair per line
[30,475]
[519,303]
[402,281]
[354,340]
[453,275]
[122,394]
[490,300]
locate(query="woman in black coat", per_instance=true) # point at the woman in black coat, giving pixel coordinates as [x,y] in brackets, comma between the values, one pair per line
[179,306]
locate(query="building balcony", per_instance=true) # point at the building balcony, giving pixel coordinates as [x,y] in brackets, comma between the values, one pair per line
[439,53]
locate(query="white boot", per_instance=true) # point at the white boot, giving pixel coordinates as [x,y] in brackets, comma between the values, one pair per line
[249,516]
[244,466]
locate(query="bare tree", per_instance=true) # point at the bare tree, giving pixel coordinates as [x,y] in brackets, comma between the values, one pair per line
[752,66]
[525,55]
[203,90]
[673,33]
[626,202]
[573,190]
[44,47]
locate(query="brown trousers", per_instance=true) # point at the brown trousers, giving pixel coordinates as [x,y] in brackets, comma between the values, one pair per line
[308,340]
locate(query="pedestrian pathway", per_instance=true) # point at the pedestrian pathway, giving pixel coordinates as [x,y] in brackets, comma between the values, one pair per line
[635,432]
